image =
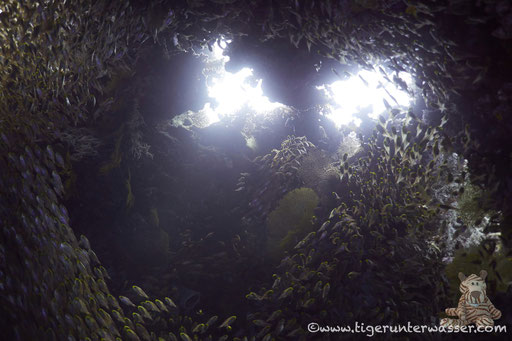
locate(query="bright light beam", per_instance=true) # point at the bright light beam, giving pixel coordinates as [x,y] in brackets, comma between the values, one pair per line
[218,49]
[231,91]
[362,90]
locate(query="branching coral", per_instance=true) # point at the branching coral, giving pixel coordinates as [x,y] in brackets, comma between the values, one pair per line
[315,168]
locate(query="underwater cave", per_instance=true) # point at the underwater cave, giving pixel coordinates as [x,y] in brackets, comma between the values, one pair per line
[255,170]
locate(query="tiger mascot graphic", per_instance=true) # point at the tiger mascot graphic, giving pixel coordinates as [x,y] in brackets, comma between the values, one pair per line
[474,306]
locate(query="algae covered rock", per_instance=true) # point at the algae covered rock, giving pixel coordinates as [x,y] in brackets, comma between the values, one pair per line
[291,220]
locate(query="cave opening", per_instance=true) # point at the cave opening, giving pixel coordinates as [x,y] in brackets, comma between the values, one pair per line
[239,169]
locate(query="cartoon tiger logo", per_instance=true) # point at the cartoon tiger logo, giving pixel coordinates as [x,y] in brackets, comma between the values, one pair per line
[474,305]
